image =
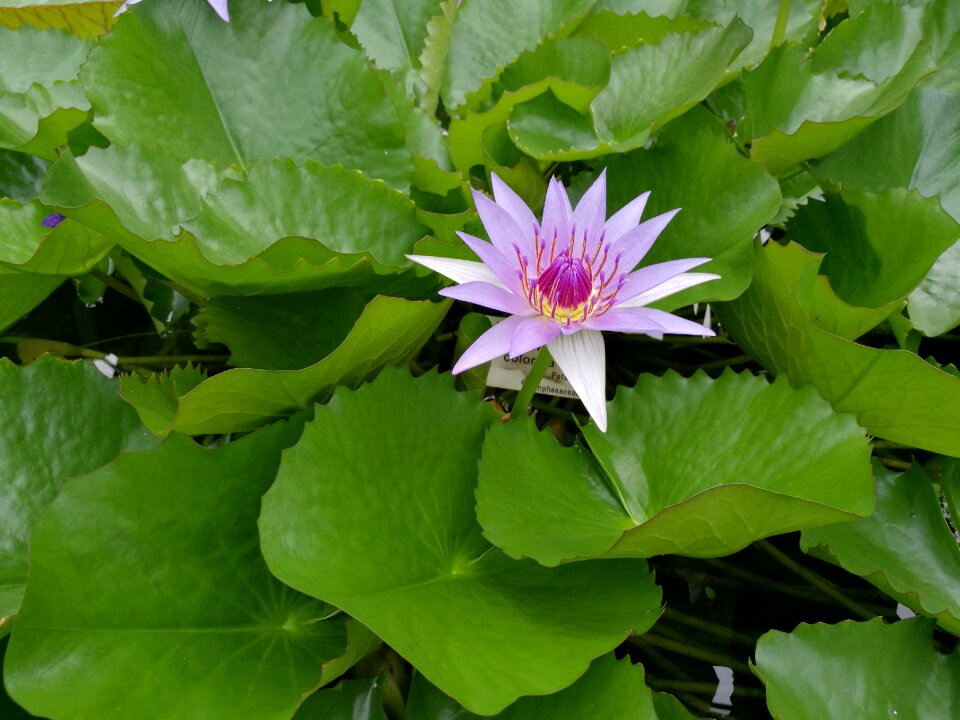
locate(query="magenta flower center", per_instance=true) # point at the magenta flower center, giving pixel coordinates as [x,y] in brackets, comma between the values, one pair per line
[566,284]
[570,281]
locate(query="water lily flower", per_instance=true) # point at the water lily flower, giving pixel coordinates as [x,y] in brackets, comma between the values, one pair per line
[219,6]
[564,279]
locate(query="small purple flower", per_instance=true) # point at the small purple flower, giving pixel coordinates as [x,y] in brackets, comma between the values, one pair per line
[565,279]
[51,221]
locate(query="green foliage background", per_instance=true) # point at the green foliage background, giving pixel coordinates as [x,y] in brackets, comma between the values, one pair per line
[237,479]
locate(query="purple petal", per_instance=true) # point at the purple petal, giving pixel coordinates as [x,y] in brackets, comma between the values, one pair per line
[51,221]
[531,333]
[589,215]
[494,342]
[514,204]
[505,271]
[221,8]
[582,359]
[556,215]
[460,271]
[488,295]
[626,218]
[647,278]
[632,246]
[668,288]
[631,320]
[640,320]
[503,230]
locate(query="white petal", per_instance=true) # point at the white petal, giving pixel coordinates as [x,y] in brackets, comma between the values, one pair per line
[671,286]
[220,6]
[582,358]
[460,271]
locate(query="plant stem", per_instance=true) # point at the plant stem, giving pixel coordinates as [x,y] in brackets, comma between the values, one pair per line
[780,29]
[539,368]
[171,359]
[818,582]
[895,464]
[690,651]
[112,282]
[700,687]
[709,627]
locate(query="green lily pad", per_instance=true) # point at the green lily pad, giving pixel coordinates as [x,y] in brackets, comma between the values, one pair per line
[21,292]
[347,700]
[156,80]
[926,132]
[433,57]
[761,17]
[389,332]
[724,200]
[393,33]
[282,228]
[40,97]
[905,548]
[155,396]
[488,35]
[884,670]
[21,175]
[364,469]
[894,393]
[572,69]
[281,332]
[83,18]
[801,108]
[63,420]
[611,689]
[153,561]
[862,234]
[652,83]
[673,474]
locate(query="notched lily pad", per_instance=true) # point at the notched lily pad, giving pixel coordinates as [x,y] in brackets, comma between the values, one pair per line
[905,548]
[62,419]
[365,470]
[694,466]
[153,561]
[883,670]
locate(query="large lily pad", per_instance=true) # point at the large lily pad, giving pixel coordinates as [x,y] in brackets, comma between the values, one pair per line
[674,474]
[724,199]
[894,393]
[365,469]
[905,548]
[62,420]
[884,670]
[172,73]
[153,562]
[283,227]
